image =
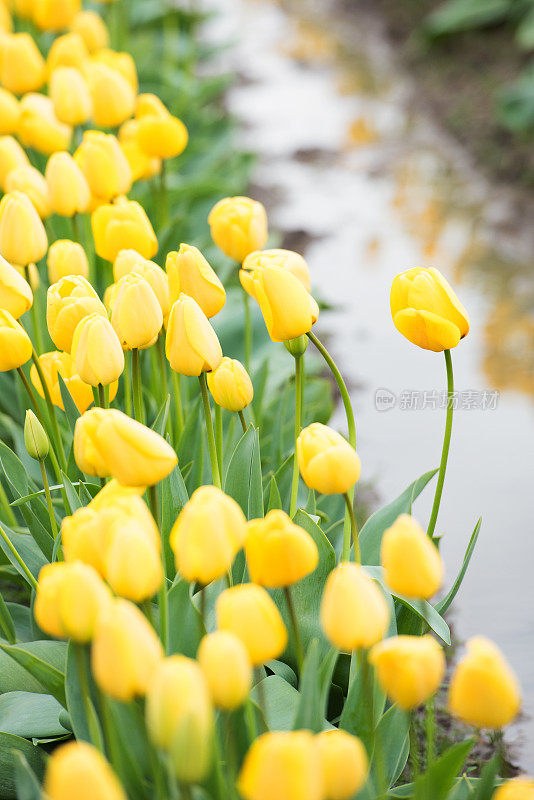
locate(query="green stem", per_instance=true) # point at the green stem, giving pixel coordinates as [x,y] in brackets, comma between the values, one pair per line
[209,427]
[36,317]
[90,712]
[298,425]
[414,748]
[163,370]
[164,207]
[75,225]
[347,535]
[162,594]
[46,487]
[177,390]
[430,732]
[139,411]
[18,558]
[102,397]
[219,436]
[51,413]
[250,720]
[243,421]
[127,385]
[295,626]
[248,330]
[446,444]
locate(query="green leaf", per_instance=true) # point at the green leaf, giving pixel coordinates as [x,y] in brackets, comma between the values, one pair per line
[465,15]
[27,785]
[275,501]
[48,675]
[188,629]
[30,715]
[72,494]
[364,702]
[436,783]
[14,469]
[524,35]
[7,626]
[161,420]
[310,713]
[71,410]
[9,745]
[78,712]
[243,477]
[486,785]
[172,498]
[393,735]
[26,548]
[21,616]
[128,754]
[445,603]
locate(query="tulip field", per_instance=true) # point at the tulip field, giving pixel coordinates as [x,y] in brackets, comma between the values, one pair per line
[194,601]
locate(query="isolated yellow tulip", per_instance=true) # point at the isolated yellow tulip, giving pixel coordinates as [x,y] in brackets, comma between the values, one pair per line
[126,651]
[344,764]
[93,30]
[426,310]
[96,351]
[327,462]
[15,293]
[279,553]
[22,67]
[238,226]
[78,769]
[9,112]
[40,128]
[179,717]
[289,311]
[65,258]
[68,50]
[287,259]
[12,155]
[207,535]
[130,261]
[189,273]
[141,164]
[412,563]
[248,611]
[121,225]
[160,134]
[106,169]
[68,301]
[55,15]
[112,96]
[354,612]
[107,442]
[282,765]
[230,385]
[70,95]
[57,363]
[15,345]
[121,62]
[137,316]
[191,345]
[224,661]
[22,235]
[410,669]
[484,691]
[132,563]
[31,182]
[521,788]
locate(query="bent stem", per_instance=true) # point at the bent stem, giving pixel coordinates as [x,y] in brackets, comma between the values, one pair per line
[46,487]
[243,421]
[347,534]
[298,425]
[162,593]
[139,411]
[295,626]
[209,427]
[446,445]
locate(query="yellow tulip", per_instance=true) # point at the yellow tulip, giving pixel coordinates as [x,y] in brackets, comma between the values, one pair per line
[21,8]
[289,311]
[12,155]
[22,235]
[68,301]
[9,112]
[238,226]
[287,259]
[102,161]
[65,258]
[279,553]
[120,225]
[191,345]
[248,611]
[521,788]
[40,128]
[15,293]
[6,23]
[282,765]
[230,385]
[84,538]
[22,67]
[141,164]
[112,96]
[484,691]
[68,188]
[122,62]
[68,50]
[126,651]
[96,351]
[327,462]
[57,363]
[354,612]
[224,660]
[160,134]
[410,669]
[78,769]
[189,273]
[137,316]
[70,95]
[54,15]
[15,345]
[30,181]
[426,311]
[107,442]
[207,535]
[129,261]
[93,30]
[412,563]
[132,563]
[344,764]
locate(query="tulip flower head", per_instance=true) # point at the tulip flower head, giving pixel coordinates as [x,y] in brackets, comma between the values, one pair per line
[412,563]
[66,258]
[22,68]
[224,660]
[289,311]
[287,259]
[112,96]
[344,764]
[141,164]
[106,169]
[132,562]
[279,553]
[521,788]
[92,29]
[15,293]
[39,126]
[35,438]
[159,134]
[31,182]
[67,303]
[230,385]
[12,155]
[191,345]
[15,345]
[136,316]
[128,261]
[120,225]
[327,462]
[78,769]
[70,95]
[189,273]
[67,185]
[9,112]
[55,364]
[68,50]
[55,15]
[23,238]
[238,226]
[410,669]
[282,764]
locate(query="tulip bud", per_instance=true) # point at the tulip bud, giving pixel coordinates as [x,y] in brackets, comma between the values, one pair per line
[120,225]
[426,311]
[133,566]
[224,661]
[22,68]
[35,438]
[15,293]
[354,612]
[297,347]
[207,535]
[344,764]
[54,15]
[68,50]
[78,769]
[282,765]
[40,128]
[238,227]
[279,553]
[327,462]
[248,611]
[141,164]
[129,261]
[66,258]
[9,112]
[126,651]
[409,668]
[108,442]
[53,365]
[15,345]
[191,345]
[287,259]
[160,134]
[113,98]
[22,235]
[68,301]
[516,789]
[97,351]
[189,273]
[137,316]
[93,30]
[412,563]
[484,691]
[230,385]
[12,155]
[70,95]
[68,189]
[29,181]
[102,161]
[69,599]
